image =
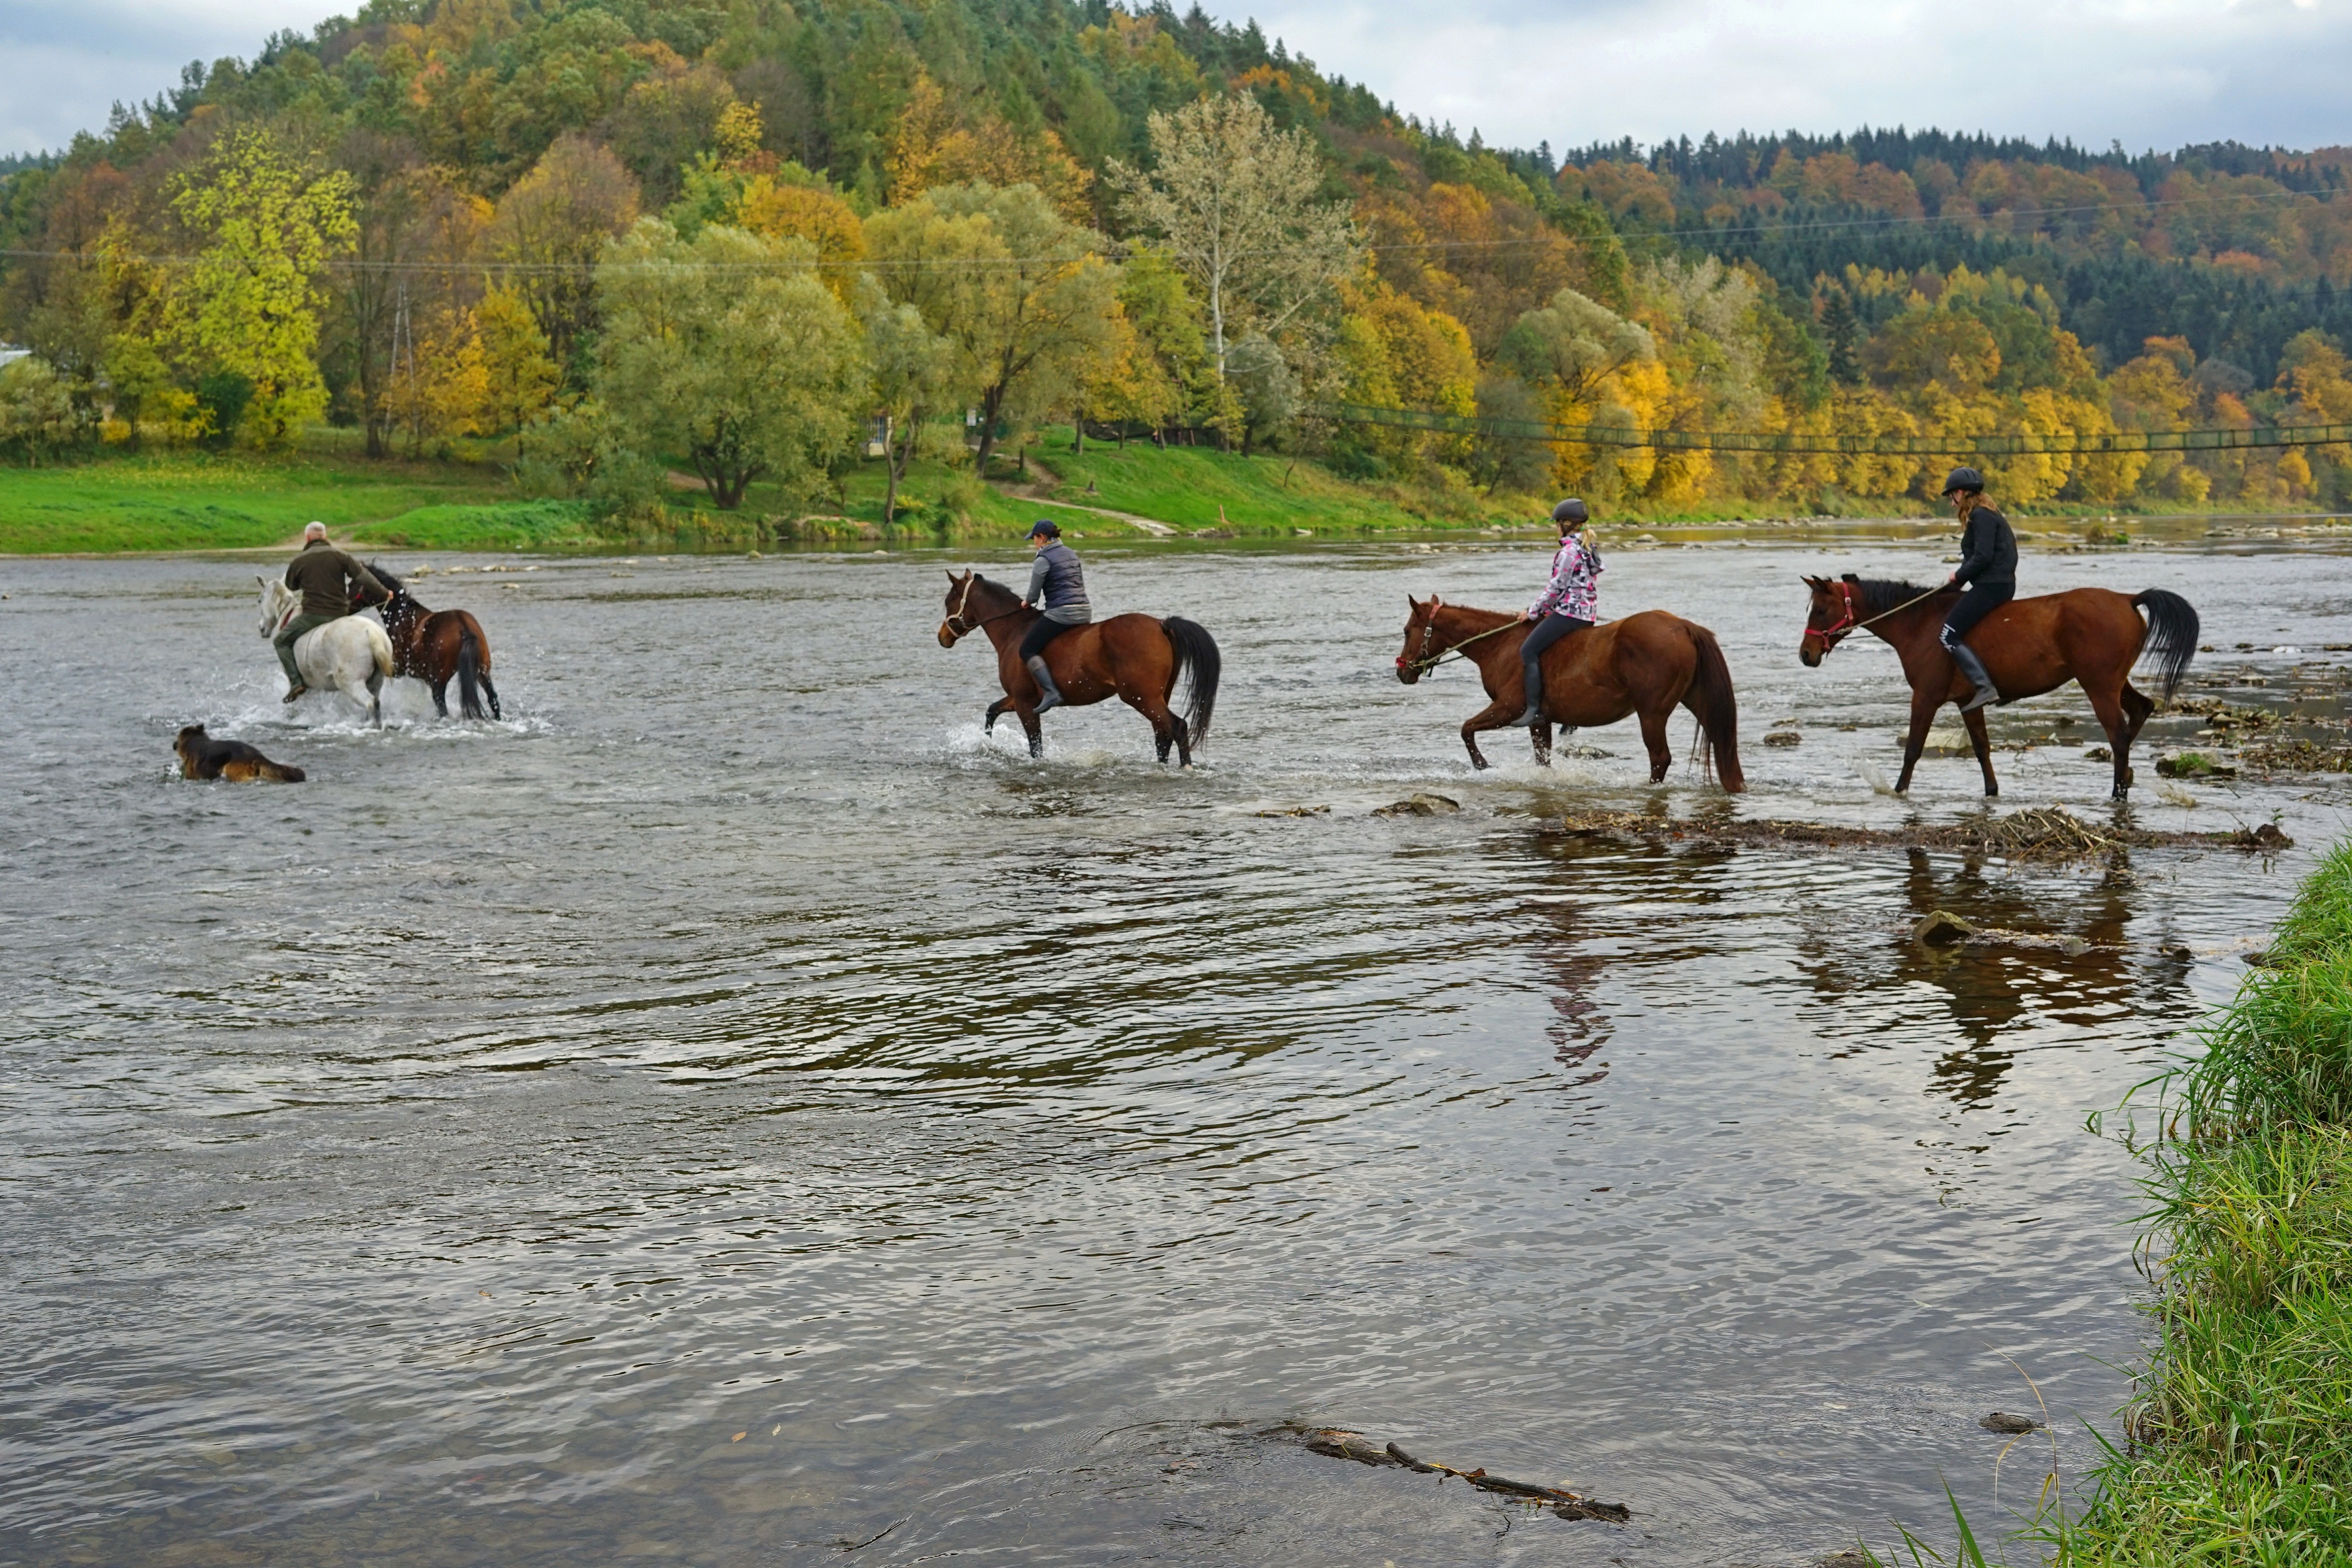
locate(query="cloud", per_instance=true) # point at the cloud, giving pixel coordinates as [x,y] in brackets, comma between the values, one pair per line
[2149,73]
[68,64]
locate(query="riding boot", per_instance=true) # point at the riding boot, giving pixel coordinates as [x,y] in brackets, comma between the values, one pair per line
[1045,679]
[1973,668]
[1531,677]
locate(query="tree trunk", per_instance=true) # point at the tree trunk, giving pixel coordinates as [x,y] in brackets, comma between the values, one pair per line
[1078,431]
[990,402]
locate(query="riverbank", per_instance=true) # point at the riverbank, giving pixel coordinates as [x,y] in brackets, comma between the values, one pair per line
[2241,1446]
[466,499]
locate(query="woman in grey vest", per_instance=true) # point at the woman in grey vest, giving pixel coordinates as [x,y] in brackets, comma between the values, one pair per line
[1057,579]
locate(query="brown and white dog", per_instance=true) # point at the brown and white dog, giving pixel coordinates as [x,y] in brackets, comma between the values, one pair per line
[201,757]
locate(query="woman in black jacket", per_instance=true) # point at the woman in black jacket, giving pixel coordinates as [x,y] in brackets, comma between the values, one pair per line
[1987,577]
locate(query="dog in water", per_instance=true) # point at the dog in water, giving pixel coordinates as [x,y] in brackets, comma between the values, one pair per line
[201,757]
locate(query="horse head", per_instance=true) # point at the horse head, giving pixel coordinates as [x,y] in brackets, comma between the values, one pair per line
[1420,635]
[962,614]
[278,602]
[1827,619]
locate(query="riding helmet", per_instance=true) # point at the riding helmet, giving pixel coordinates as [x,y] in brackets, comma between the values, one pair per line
[1572,511]
[1964,478]
[1044,526]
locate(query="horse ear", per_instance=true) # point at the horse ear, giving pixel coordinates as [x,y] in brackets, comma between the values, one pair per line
[1852,577]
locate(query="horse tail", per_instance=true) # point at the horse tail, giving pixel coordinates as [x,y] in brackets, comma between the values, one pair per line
[387,662]
[469,671]
[2171,636]
[1197,657]
[1718,711]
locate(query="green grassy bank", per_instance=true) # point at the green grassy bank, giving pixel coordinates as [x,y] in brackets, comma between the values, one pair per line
[466,501]
[2241,1450]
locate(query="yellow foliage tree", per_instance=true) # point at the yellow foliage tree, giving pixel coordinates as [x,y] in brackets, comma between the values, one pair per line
[935,143]
[519,378]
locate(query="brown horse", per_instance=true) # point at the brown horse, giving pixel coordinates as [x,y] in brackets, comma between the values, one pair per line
[1135,658]
[2029,646]
[434,645]
[1645,664]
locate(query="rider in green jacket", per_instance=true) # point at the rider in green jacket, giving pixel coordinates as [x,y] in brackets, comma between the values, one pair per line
[327,580]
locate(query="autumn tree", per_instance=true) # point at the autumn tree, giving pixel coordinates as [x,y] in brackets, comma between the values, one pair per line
[1023,293]
[1238,204]
[727,349]
[268,217]
[519,376]
[550,230]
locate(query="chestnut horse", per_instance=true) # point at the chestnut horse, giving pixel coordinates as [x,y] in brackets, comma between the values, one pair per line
[1133,658]
[434,645]
[1645,664]
[2029,646]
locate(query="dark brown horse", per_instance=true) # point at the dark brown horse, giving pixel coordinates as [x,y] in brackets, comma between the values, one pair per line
[2029,646]
[434,645]
[1645,664]
[1135,658]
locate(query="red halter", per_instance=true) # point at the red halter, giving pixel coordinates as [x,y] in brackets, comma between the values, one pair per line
[1831,634]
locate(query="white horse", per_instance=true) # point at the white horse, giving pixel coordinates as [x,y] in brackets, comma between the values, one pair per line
[352,654]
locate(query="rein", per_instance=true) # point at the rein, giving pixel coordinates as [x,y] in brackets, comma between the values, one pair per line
[1847,623]
[1425,661]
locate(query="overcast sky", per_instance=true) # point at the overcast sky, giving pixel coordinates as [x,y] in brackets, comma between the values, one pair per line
[2147,73]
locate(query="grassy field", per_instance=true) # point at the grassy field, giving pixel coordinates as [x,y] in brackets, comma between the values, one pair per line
[199,501]
[2242,1437]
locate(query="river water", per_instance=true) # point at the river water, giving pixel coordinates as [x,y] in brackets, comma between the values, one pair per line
[731,1112]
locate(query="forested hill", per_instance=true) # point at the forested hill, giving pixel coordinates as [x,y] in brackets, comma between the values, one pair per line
[2235,248]
[1888,281]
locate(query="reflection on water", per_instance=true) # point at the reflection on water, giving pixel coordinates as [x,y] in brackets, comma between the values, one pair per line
[733,1111]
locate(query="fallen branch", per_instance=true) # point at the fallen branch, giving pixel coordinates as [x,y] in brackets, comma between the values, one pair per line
[1342,1443]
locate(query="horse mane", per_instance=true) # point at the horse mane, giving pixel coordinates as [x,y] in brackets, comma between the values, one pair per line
[1876,595]
[994,589]
[382,574]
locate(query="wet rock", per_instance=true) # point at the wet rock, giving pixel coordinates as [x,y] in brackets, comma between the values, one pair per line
[1842,1560]
[1420,806]
[1296,811]
[2176,952]
[1784,738]
[2002,1421]
[2098,754]
[1942,929]
[2266,837]
[2193,766]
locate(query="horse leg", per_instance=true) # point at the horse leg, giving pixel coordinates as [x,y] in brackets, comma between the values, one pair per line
[491,692]
[1184,741]
[1653,736]
[1495,715]
[1922,715]
[2136,706]
[375,695]
[2109,707]
[995,711]
[1540,731]
[1983,744]
[1035,731]
[441,698]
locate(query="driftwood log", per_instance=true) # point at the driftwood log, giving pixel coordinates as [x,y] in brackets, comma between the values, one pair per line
[1342,1443]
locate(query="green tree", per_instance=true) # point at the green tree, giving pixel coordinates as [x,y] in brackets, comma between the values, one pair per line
[1574,344]
[548,232]
[727,349]
[1023,293]
[268,218]
[37,418]
[1240,205]
[914,372]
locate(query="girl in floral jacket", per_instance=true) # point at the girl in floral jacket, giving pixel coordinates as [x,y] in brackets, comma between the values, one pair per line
[1570,602]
